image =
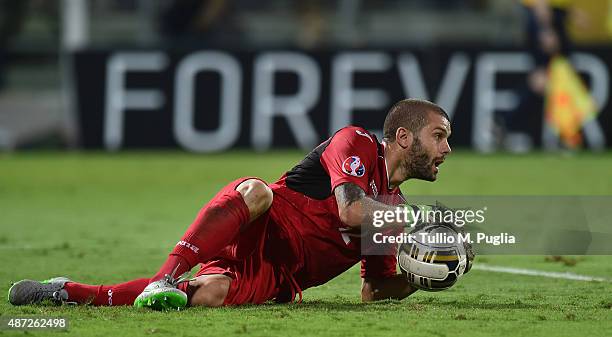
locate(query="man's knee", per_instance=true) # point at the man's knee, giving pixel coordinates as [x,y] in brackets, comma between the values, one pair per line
[209,290]
[257,196]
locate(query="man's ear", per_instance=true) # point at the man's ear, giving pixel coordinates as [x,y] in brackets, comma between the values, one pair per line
[403,137]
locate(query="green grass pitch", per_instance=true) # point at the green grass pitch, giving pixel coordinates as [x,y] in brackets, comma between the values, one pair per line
[106,218]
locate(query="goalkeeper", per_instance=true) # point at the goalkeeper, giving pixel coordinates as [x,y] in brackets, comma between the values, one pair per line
[255,242]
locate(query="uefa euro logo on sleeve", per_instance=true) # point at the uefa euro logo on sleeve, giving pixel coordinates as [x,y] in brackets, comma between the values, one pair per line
[353,166]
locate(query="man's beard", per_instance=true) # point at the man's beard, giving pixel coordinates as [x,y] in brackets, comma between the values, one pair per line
[418,165]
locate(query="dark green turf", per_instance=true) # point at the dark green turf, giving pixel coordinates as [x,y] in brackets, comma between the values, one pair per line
[111,217]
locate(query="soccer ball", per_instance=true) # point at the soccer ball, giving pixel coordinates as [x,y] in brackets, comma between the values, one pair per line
[434,258]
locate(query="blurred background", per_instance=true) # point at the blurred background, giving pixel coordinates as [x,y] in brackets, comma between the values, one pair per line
[208,76]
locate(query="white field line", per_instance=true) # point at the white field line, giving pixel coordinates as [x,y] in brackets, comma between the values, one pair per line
[533,272]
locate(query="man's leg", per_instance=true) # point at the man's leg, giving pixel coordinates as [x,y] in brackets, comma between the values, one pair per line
[60,290]
[117,294]
[208,290]
[204,290]
[216,225]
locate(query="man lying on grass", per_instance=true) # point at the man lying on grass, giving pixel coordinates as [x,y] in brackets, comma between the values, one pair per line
[257,242]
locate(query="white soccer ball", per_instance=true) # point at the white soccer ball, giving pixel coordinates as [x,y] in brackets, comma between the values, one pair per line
[434,259]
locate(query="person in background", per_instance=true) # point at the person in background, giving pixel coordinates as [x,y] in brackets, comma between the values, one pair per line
[546,29]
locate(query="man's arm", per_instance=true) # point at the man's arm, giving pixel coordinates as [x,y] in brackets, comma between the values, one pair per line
[354,207]
[395,287]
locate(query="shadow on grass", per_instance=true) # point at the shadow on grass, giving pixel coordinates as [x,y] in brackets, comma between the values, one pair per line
[343,305]
[331,305]
[487,305]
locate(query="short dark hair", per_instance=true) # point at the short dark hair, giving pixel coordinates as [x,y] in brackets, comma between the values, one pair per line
[410,114]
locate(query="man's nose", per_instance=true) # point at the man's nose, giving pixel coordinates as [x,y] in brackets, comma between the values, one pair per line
[446,149]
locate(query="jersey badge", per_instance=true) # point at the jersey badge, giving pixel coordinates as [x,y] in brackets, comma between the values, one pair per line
[353,166]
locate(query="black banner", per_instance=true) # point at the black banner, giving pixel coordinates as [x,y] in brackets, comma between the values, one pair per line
[212,100]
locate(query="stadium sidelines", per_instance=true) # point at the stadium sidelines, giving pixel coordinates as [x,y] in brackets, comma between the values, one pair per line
[533,272]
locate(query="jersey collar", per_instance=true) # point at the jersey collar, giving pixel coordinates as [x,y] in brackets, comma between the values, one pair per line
[384,145]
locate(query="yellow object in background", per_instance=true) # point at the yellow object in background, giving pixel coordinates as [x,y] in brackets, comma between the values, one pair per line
[609,19]
[568,102]
[594,24]
[552,3]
